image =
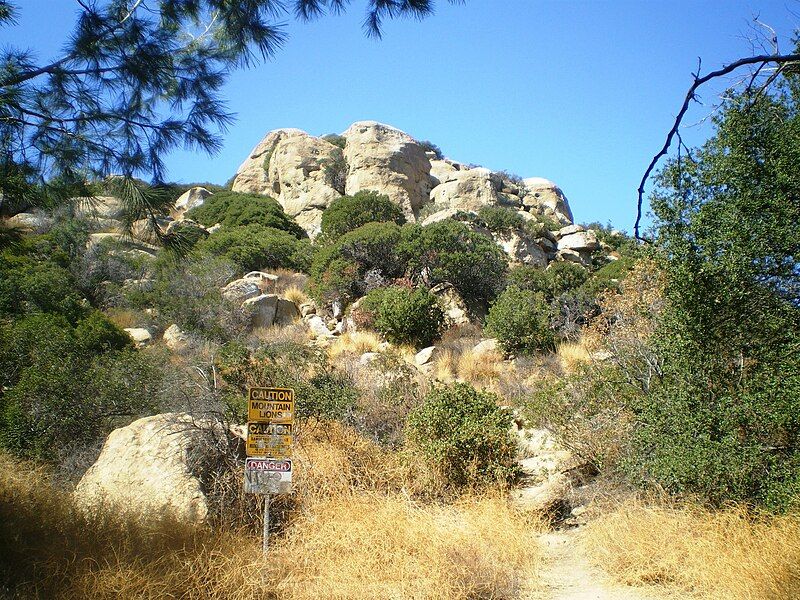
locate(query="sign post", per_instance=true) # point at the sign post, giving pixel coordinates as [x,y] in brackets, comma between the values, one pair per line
[270,438]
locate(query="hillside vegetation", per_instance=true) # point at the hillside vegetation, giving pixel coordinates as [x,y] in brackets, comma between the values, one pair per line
[469,374]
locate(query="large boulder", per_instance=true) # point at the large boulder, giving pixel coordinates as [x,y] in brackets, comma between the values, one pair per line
[32,221]
[150,467]
[239,290]
[388,161]
[262,309]
[545,198]
[102,207]
[521,249]
[469,190]
[301,173]
[191,198]
[455,309]
[139,335]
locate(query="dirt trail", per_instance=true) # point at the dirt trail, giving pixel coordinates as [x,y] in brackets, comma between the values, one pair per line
[568,575]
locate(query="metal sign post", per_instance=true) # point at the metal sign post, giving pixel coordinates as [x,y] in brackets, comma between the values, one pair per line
[270,438]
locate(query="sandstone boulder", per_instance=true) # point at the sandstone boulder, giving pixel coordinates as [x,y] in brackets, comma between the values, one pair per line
[426,356]
[455,309]
[147,467]
[262,309]
[139,335]
[521,249]
[32,221]
[286,312]
[545,198]
[175,339]
[239,290]
[486,346]
[302,173]
[191,198]
[579,241]
[103,207]
[388,161]
[469,190]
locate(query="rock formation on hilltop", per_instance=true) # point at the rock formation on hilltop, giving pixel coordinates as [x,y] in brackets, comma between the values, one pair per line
[305,174]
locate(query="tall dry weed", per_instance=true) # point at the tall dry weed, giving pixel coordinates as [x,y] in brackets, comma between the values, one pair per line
[350,540]
[727,554]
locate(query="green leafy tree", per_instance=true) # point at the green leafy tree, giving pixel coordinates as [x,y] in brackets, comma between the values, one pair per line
[449,251]
[233,209]
[520,320]
[351,212]
[464,437]
[405,316]
[723,421]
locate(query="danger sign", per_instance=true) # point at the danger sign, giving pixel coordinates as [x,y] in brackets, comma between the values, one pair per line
[266,476]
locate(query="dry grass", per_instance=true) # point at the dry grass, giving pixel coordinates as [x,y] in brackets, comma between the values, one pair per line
[287,280]
[355,343]
[730,554]
[349,540]
[124,317]
[375,546]
[480,369]
[573,356]
[295,294]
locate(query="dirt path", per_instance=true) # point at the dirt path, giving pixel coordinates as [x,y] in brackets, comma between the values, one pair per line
[568,574]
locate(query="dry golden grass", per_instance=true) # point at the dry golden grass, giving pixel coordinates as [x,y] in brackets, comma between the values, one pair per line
[728,554]
[480,369]
[124,317]
[295,294]
[347,542]
[376,546]
[356,343]
[573,356]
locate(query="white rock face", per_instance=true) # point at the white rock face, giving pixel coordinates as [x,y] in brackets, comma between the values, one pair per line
[146,467]
[190,199]
[521,249]
[30,221]
[425,356]
[546,198]
[139,335]
[299,174]
[239,290]
[469,190]
[388,161]
[455,309]
[580,241]
[262,309]
[175,339]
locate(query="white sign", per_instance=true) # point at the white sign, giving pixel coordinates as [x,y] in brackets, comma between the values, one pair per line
[267,476]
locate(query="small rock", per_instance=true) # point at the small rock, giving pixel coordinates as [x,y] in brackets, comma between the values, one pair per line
[486,346]
[175,339]
[139,335]
[307,309]
[425,356]
[317,327]
[368,357]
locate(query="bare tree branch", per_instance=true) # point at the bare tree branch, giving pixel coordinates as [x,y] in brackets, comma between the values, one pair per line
[761,60]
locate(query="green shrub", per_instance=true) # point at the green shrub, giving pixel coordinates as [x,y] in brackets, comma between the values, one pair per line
[335,170]
[449,251]
[344,270]
[431,147]
[556,279]
[335,139]
[351,212]
[463,436]
[520,320]
[232,209]
[405,316]
[500,219]
[66,387]
[256,247]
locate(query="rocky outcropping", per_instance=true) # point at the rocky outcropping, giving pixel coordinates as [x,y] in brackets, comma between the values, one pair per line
[151,467]
[305,174]
[298,170]
[388,161]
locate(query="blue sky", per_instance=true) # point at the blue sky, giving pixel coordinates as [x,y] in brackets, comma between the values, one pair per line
[581,93]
